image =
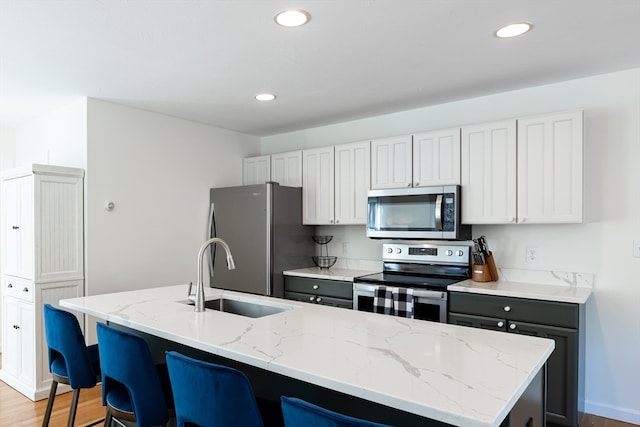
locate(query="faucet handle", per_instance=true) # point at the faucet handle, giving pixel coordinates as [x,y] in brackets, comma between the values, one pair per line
[189,291]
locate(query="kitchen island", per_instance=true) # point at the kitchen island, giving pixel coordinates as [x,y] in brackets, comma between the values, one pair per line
[434,371]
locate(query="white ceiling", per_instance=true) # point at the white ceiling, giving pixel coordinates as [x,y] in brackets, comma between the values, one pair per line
[204,60]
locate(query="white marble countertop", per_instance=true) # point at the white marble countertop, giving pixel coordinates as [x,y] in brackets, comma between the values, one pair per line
[462,376]
[540,285]
[333,273]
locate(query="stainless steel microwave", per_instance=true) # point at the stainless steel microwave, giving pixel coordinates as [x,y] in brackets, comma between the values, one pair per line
[416,213]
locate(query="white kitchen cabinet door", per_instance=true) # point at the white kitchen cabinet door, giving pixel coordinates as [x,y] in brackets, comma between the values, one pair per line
[318,186]
[391,162]
[550,168]
[352,182]
[256,170]
[18,352]
[18,227]
[488,173]
[436,158]
[286,168]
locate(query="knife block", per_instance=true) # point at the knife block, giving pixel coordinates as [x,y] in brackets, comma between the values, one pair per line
[485,272]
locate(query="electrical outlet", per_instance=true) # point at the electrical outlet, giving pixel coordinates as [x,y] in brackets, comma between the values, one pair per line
[636,248]
[531,255]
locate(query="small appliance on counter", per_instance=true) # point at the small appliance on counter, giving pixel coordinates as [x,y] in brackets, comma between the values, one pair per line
[484,267]
[324,261]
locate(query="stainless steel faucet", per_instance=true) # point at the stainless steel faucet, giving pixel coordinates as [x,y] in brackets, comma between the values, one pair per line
[231,265]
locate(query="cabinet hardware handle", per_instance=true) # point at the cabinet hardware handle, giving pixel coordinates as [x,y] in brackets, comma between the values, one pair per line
[330,221]
[16,327]
[15,227]
[409,185]
[337,221]
[507,308]
[318,299]
[315,286]
[417,184]
[513,326]
[500,324]
[10,286]
[25,289]
[312,299]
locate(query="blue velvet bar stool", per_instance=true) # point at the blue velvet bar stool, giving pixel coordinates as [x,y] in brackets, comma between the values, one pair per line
[211,395]
[298,413]
[134,388]
[70,360]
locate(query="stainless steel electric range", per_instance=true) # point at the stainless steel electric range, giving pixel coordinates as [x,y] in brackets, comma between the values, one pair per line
[426,268]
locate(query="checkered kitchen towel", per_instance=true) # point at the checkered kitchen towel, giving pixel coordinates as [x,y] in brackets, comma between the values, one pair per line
[383,300]
[403,302]
[394,301]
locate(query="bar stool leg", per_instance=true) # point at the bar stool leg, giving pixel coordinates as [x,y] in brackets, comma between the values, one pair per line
[74,406]
[52,396]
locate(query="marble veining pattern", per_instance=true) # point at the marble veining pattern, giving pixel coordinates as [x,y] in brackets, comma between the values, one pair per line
[457,375]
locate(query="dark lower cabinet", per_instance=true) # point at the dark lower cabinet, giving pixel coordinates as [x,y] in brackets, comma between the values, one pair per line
[561,322]
[336,293]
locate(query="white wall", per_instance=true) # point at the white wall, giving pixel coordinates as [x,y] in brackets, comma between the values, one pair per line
[57,138]
[7,147]
[157,170]
[602,245]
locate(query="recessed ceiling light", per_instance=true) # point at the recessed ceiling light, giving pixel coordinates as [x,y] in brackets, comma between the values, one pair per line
[265,97]
[513,30]
[292,18]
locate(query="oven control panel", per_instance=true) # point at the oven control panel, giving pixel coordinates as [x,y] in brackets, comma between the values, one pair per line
[426,252]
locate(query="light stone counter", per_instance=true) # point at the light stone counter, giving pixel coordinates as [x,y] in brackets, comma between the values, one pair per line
[457,375]
[531,284]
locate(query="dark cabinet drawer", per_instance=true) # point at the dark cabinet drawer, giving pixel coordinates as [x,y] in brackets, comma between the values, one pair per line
[323,287]
[318,299]
[517,309]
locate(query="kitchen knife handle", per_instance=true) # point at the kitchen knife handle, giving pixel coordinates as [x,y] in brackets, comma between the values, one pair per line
[438,213]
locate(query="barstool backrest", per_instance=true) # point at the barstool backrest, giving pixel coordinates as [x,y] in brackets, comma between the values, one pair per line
[67,349]
[211,395]
[298,413]
[126,361]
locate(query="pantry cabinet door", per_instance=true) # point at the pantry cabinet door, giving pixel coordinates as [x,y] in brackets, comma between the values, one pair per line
[488,173]
[391,160]
[352,182]
[550,163]
[436,158]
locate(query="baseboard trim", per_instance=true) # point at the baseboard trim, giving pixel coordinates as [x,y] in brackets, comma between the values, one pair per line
[619,413]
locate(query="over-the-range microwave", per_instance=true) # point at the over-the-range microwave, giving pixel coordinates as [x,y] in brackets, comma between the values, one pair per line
[416,213]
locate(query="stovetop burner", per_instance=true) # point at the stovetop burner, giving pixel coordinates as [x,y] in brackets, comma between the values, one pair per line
[425,266]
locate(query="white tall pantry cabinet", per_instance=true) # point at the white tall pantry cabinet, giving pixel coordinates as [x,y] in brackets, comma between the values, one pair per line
[42,246]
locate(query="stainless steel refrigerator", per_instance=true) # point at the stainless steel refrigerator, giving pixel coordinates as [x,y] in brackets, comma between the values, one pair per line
[263,226]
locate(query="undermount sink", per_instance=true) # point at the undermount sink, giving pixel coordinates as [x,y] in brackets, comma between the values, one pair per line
[242,308]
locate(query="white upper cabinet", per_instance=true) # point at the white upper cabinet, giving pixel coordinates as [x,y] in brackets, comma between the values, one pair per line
[352,182]
[286,168]
[318,186]
[436,158]
[391,160]
[550,165]
[256,170]
[532,175]
[488,173]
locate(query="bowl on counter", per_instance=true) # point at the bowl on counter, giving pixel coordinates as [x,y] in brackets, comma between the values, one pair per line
[325,261]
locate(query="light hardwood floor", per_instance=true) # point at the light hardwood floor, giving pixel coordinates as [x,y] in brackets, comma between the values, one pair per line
[17,410]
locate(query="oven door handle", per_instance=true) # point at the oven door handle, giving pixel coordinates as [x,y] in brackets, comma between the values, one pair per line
[438,212]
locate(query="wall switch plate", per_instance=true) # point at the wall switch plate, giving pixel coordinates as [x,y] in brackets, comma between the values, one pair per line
[531,255]
[636,248]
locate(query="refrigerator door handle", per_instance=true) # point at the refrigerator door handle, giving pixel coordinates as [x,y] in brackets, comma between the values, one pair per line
[212,233]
